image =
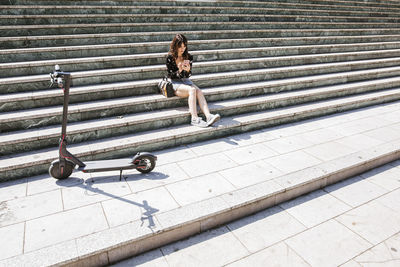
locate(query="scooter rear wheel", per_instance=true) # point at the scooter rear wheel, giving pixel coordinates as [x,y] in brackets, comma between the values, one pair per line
[145,164]
[55,171]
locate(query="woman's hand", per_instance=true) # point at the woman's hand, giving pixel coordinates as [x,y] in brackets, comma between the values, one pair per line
[182,67]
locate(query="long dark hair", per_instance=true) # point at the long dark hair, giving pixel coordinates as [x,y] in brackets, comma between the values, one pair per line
[178,40]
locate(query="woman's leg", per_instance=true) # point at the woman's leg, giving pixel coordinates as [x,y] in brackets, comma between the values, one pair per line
[202,102]
[210,118]
[189,92]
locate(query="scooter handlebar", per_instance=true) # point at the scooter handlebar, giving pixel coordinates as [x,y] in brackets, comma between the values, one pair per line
[57,76]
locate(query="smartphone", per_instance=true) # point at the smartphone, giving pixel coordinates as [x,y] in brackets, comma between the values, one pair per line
[186,63]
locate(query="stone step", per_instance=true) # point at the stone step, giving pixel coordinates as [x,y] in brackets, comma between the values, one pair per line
[281,46]
[254,56]
[38,30]
[106,38]
[209,73]
[91,39]
[27,140]
[355,3]
[327,10]
[165,18]
[339,5]
[40,117]
[370,3]
[33,163]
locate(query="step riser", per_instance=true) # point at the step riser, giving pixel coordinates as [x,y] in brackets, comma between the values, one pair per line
[78,29]
[163,47]
[33,42]
[32,69]
[160,72]
[352,5]
[28,145]
[42,167]
[253,4]
[156,37]
[51,20]
[61,10]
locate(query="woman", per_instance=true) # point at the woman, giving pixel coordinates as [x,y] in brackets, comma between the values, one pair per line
[179,66]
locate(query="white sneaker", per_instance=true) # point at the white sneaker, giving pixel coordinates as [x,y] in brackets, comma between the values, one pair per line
[199,122]
[213,119]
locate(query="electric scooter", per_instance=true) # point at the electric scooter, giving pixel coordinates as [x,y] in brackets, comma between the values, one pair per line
[62,168]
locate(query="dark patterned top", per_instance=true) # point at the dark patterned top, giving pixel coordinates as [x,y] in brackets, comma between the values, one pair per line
[173,70]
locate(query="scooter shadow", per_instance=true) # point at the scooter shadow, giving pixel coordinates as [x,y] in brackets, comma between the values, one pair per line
[87,185]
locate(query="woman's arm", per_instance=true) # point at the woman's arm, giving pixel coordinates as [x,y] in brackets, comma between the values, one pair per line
[173,71]
[188,72]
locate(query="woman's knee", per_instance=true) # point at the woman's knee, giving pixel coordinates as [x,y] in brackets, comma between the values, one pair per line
[191,90]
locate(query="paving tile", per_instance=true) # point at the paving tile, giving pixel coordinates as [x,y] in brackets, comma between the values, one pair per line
[314,208]
[329,151]
[207,249]
[395,127]
[91,192]
[138,206]
[12,189]
[276,255]
[293,161]
[346,129]
[199,188]
[351,263]
[152,258]
[370,123]
[292,128]
[386,134]
[162,175]
[373,221]
[250,153]
[12,237]
[48,256]
[175,154]
[206,164]
[385,254]
[212,146]
[265,228]
[56,228]
[391,200]
[386,176]
[321,136]
[249,138]
[251,173]
[30,207]
[355,191]
[359,141]
[288,144]
[44,183]
[328,244]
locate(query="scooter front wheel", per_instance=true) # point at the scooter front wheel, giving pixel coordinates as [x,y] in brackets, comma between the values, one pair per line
[61,173]
[145,164]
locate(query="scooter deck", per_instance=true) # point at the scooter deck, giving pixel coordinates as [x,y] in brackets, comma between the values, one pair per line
[108,165]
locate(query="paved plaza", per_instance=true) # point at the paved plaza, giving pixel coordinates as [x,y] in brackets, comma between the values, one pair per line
[357,221]
[352,223]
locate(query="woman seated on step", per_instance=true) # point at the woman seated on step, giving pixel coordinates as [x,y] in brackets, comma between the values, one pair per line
[179,65]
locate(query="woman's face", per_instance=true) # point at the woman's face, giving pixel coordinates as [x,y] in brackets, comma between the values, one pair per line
[181,49]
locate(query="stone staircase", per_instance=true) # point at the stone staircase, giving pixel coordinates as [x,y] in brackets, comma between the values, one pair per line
[259,63]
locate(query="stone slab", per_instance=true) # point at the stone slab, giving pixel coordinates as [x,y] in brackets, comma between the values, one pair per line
[322,245]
